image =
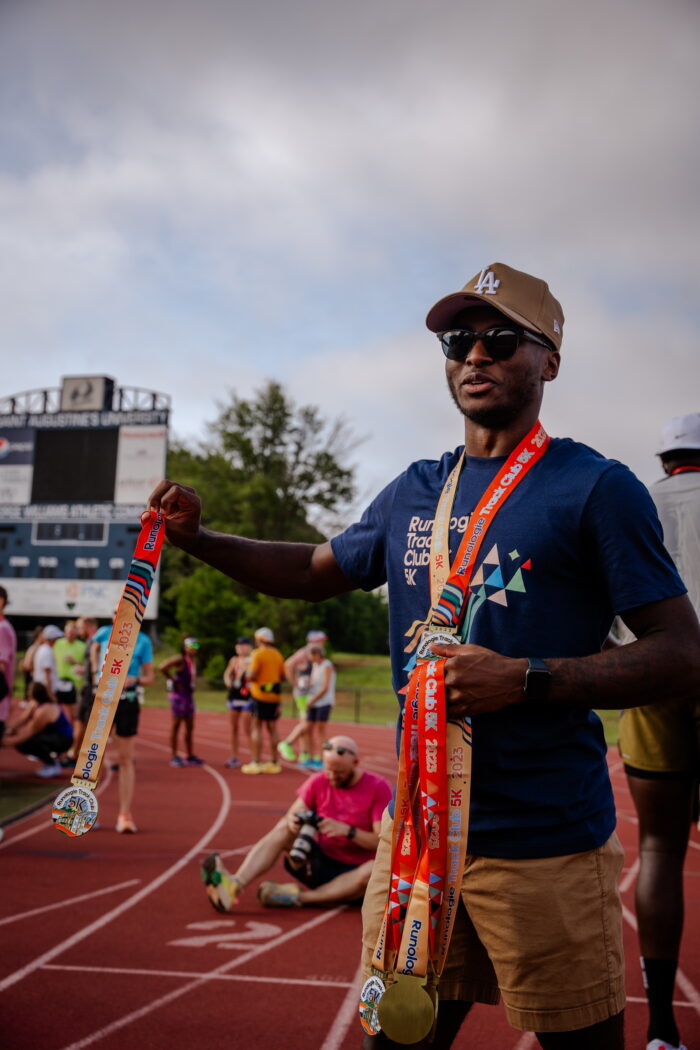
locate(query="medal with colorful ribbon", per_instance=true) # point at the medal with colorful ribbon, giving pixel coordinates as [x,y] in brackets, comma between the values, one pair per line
[431,825]
[75,809]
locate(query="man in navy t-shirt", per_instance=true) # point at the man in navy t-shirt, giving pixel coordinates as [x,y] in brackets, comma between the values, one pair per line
[576,543]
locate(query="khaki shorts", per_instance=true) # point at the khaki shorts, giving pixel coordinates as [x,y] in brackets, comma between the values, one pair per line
[662,738]
[546,934]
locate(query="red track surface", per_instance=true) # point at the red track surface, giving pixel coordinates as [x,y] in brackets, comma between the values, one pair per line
[109,940]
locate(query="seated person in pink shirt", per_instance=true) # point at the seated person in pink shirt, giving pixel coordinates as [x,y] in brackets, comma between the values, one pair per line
[328,837]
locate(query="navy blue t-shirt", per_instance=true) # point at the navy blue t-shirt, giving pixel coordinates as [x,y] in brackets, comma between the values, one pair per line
[576,543]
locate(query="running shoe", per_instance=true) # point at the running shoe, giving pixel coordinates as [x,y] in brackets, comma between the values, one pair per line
[49,769]
[279,895]
[287,751]
[661,1044]
[316,763]
[232,763]
[304,757]
[193,760]
[270,767]
[252,767]
[222,889]
[177,762]
[126,824]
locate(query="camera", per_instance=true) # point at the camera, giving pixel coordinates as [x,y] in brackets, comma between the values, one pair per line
[303,843]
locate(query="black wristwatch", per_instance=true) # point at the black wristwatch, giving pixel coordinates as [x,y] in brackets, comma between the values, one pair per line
[537,679]
[352,831]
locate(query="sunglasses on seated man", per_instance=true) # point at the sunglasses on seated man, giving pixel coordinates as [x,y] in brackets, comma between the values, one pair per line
[500,342]
[338,750]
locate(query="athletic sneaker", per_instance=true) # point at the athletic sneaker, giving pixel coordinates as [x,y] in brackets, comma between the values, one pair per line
[270,767]
[232,762]
[287,751]
[192,760]
[222,889]
[316,763]
[279,895]
[252,767]
[661,1044]
[177,762]
[49,769]
[125,824]
[304,757]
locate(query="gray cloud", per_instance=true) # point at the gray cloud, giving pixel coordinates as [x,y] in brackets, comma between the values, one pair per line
[201,196]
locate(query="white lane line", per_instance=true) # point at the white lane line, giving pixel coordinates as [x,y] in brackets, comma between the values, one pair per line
[123,971]
[629,876]
[146,890]
[684,983]
[156,1004]
[70,900]
[347,1014]
[44,817]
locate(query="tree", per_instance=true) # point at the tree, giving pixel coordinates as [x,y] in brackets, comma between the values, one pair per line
[269,470]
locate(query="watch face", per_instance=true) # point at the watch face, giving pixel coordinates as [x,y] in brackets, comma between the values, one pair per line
[537,681]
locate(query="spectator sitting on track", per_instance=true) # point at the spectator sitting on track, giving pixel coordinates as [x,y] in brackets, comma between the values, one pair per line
[41,729]
[328,837]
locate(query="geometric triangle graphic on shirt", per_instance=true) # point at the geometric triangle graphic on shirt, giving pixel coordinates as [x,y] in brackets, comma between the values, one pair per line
[478,577]
[496,578]
[499,597]
[527,564]
[517,583]
[492,556]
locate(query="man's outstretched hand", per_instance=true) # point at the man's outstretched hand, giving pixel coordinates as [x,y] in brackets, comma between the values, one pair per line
[182,510]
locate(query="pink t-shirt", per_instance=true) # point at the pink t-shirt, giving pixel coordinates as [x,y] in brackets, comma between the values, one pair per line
[8,653]
[361,805]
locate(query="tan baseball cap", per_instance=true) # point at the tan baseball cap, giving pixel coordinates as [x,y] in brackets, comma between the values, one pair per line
[524,299]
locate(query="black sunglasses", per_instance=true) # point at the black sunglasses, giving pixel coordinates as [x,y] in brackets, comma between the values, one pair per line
[500,342]
[338,750]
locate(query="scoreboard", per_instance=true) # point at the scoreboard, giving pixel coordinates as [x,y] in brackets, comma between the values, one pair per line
[77,464]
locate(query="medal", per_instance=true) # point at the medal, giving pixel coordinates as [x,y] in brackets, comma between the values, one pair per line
[75,811]
[406,1011]
[372,991]
[441,636]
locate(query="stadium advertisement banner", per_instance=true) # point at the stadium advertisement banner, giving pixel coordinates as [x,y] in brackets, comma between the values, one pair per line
[16,458]
[36,597]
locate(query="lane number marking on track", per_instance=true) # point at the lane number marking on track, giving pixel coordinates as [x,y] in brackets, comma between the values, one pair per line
[251,933]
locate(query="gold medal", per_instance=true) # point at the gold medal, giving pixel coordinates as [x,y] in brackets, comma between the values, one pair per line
[406,1011]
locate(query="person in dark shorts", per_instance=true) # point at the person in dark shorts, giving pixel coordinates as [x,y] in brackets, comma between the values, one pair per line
[327,838]
[238,699]
[264,678]
[126,719]
[181,674]
[660,748]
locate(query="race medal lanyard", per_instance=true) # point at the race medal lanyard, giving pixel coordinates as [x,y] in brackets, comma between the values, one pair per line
[425,899]
[75,809]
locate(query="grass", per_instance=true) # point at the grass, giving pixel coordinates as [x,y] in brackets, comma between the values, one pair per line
[363,694]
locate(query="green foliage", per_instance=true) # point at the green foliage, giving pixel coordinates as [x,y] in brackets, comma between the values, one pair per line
[270,470]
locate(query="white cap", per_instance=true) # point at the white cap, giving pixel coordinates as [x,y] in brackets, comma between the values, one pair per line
[51,633]
[316,636]
[265,634]
[681,432]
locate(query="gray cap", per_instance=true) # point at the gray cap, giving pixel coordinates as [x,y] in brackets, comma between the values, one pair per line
[681,432]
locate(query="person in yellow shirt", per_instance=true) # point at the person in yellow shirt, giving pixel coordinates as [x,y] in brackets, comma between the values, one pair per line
[264,676]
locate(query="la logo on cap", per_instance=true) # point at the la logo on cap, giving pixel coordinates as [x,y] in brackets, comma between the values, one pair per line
[487,283]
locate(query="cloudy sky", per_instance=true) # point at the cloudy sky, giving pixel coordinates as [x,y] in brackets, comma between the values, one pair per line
[198,196]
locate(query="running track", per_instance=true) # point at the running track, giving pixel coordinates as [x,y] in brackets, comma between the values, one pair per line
[108,941]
